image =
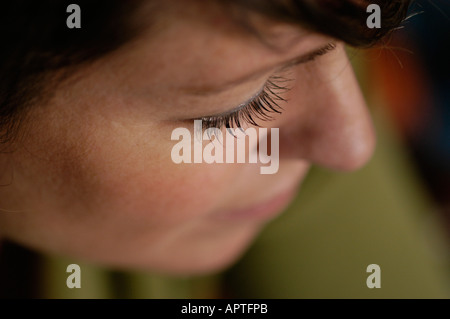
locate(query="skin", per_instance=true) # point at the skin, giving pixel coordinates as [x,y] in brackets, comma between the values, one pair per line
[92,176]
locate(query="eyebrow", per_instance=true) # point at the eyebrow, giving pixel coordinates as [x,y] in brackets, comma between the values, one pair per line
[310,56]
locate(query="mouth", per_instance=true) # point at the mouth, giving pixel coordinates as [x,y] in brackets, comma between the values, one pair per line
[264,211]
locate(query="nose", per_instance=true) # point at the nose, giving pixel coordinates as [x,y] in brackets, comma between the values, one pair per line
[327,121]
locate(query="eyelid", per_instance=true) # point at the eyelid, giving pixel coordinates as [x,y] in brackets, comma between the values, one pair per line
[270,85]
[324,50]
[204,91]
[240,107]
[253,98]
[258,108]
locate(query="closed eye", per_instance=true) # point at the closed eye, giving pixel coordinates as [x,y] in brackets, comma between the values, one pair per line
[262,107]
[266,103]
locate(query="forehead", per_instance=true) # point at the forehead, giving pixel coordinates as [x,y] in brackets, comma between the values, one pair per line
[196,40]
[227,18]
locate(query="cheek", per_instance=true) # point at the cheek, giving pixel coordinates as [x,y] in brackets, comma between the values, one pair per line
[128,174]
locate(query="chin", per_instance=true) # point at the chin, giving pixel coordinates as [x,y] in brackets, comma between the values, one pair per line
[206,266]
[209,257]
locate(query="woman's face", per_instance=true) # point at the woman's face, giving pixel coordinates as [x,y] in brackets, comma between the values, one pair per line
[93,175]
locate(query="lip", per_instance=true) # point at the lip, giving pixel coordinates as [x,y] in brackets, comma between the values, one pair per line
[263,211]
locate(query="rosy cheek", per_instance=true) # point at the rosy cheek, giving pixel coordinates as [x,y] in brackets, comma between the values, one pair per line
[124,174]
[160,192]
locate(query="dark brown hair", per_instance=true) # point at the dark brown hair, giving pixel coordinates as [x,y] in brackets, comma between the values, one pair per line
[36,40]
[342,19]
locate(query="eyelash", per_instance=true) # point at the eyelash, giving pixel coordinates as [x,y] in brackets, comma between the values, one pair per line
[262,107]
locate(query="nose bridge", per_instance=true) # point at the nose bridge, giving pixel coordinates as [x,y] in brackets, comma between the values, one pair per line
[334,128]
